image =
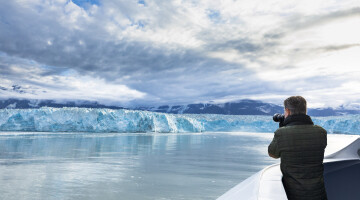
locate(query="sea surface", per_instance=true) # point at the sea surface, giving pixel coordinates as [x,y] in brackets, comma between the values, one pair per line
[134,166]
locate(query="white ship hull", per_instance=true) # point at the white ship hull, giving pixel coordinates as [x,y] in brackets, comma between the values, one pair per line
[341,175]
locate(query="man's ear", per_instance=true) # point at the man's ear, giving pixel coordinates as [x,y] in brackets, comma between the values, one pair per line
[288,111]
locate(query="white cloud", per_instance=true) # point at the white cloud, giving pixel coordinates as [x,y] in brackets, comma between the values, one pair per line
[73,88]
[69,85]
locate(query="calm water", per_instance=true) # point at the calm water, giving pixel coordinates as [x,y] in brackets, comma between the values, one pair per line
[127,166]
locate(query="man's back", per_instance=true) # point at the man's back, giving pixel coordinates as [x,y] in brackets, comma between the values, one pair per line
[301,145]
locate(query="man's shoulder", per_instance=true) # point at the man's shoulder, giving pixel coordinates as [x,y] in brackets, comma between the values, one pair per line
[320,128]
[285,129]
[281,130]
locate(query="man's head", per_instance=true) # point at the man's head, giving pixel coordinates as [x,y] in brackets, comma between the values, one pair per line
[295,105]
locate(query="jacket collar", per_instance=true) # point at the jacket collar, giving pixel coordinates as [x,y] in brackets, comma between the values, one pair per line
[298,119]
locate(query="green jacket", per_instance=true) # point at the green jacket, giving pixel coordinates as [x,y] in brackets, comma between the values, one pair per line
[301,145]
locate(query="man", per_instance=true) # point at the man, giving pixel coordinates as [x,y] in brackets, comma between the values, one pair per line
[300,144]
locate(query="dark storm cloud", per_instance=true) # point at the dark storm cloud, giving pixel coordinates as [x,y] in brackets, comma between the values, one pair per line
[337,47]
[242,45]
[301,22]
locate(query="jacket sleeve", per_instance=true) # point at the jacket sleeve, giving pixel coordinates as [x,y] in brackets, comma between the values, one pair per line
[273,148]
[325,138]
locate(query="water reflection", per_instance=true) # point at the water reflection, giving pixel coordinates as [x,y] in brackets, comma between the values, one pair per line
[127,166]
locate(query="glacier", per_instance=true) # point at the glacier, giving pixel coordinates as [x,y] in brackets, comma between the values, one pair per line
[98,120]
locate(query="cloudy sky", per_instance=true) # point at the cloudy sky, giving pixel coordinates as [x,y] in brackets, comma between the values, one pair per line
[140,52]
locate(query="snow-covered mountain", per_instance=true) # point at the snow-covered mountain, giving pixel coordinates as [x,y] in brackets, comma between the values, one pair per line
[241,107]
[25,103]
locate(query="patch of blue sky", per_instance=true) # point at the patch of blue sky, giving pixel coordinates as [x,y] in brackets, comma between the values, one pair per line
[214,15]
[39,8]
[139,24]
[46,67]
[86,3]
[142,2]
[69,72]
[34,63]
[3,20]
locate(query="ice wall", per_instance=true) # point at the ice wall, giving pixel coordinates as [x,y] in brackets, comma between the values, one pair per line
[108,120]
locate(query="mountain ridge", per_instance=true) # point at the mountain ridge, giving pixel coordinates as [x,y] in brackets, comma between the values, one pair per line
[239,107]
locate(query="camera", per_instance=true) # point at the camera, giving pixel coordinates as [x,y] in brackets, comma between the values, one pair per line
[279,117]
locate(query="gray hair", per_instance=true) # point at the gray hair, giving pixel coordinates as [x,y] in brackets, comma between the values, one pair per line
[296,105]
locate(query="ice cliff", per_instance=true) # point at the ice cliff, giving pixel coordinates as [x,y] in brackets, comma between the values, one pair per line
[108,120]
